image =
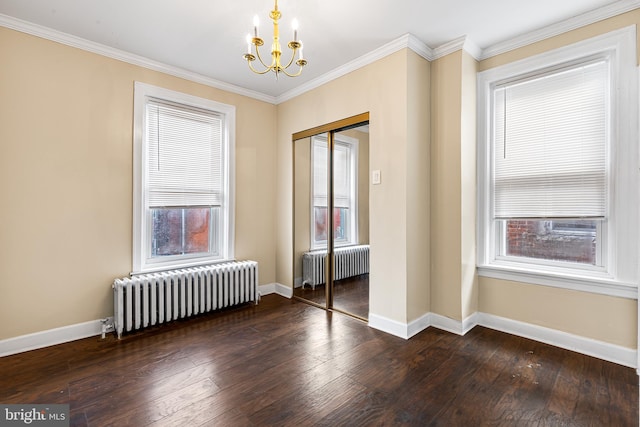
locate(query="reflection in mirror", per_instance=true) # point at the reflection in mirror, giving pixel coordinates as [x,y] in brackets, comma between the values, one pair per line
[350,292]
[308,171]
[351,221]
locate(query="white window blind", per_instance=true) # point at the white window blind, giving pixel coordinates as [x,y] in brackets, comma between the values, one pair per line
[319,172]
[550,145]
[184,156]
[342,179]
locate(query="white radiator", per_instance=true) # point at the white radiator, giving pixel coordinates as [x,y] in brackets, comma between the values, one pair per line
[149,299]
[349,261]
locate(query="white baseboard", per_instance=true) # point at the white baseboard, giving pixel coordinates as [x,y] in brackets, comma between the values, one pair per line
[590,347]
[602,350]
[389,326]
[276,288]
[419,325]
[470,322]
[446,324]
[50,337]
[454,326]
[406,331]
[400,329]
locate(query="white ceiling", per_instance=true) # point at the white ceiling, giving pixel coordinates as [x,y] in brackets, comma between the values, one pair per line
[207,37]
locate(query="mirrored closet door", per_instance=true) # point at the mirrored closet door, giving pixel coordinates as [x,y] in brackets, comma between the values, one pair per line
[331,252]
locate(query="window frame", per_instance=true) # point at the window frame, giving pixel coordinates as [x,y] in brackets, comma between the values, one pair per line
[619,276]
[353,148]
[142,216]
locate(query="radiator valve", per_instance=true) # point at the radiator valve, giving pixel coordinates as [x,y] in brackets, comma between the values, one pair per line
[107,326]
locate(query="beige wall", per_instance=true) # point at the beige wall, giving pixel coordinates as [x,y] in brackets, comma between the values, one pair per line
[418,187]
[446,200]
[454,290]
[66,180]
[468,195]
[381,89]
[604,318]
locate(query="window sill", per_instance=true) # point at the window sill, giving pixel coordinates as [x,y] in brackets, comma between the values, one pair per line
[599,285]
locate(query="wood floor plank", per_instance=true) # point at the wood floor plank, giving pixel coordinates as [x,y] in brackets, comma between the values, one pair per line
[525,400]
[144,412]
[233,417]
[201,411]
[253,367]
[313,405]
[364,409]
[566,390]
[95,388]
[291,388]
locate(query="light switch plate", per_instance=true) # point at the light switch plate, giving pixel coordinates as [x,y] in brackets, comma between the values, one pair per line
[375,177]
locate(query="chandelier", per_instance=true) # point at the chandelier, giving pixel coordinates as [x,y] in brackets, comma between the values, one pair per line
[276,50]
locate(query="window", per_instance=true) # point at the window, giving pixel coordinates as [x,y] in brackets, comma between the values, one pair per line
[549,150]
[182,188]
[576,241]
[344,188]
[556,187]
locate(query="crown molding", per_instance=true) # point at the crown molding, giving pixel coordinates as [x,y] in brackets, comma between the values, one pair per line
[419,47]
[587,18]
[406,41]
[130,58]
[449,47]
[472,49]
[461,43]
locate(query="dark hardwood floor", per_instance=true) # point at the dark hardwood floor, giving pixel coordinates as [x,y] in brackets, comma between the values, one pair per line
[351,295]
[286,363]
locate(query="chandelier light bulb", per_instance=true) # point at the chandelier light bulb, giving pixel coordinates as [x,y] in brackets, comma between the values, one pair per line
[256,23]
[294,24]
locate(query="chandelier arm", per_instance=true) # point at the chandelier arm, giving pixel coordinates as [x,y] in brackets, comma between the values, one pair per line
[293,74]
[268,67]
[265,71]
[293,56]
